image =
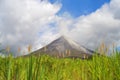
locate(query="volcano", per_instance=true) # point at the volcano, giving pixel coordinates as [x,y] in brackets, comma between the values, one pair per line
[64,47]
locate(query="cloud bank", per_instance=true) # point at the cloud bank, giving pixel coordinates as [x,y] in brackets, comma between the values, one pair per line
[35,22]
[24,22]
[91,30]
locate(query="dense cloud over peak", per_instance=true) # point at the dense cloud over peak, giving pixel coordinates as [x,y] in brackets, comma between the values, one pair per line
[103,25]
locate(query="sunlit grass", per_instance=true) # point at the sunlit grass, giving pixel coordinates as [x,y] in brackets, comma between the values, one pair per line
[99,67]
[49,68]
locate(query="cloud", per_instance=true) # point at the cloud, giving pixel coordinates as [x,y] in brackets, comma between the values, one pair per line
[103,25]
[21,22]
[35,22]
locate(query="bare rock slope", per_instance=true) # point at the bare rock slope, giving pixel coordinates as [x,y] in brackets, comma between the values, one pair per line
[64,47]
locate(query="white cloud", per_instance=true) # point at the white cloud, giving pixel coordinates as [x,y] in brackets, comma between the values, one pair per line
[22,20]
[101,25]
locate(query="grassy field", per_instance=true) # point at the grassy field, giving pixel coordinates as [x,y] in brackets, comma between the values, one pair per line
[49,68]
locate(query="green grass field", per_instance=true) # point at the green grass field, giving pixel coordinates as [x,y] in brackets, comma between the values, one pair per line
[49,68]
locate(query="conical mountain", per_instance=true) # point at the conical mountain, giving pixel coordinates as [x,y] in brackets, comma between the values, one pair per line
[64,47]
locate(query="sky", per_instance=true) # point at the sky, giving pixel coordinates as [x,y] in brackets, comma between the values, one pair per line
[39,22]
[79,7]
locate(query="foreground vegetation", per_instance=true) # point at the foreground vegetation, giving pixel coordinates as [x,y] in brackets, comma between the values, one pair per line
[49,68]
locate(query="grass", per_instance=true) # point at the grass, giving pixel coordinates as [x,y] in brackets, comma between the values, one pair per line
[51,68]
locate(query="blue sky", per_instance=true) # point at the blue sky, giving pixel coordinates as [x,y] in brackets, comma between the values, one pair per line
[80,7]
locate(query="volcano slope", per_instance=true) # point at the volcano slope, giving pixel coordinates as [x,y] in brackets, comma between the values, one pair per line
[64,47]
